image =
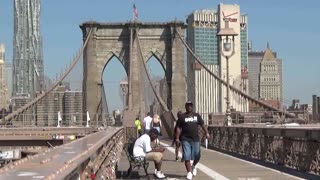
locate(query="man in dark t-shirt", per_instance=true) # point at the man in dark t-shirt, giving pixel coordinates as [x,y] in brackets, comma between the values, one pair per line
[187,125]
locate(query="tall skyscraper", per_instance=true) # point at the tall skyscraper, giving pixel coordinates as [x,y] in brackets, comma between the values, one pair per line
[27,51]
[206,92]
[254,60]
[8,69]
[2,52]
[265,77]
[271,78]
[4,99]
[315,107]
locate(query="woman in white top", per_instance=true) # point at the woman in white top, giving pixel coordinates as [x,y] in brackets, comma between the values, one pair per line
[156,124]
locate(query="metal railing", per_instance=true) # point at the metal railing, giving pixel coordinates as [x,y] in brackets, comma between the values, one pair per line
[260,117]
[292,147]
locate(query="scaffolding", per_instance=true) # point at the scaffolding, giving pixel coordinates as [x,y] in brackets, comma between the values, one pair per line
[48,108]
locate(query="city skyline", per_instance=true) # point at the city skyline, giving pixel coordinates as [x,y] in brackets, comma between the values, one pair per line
[203,89]
[57,29]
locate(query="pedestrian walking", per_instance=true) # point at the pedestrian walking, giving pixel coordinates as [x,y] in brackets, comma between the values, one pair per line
[147,123]
[138,125]
[187,127]
[156,124]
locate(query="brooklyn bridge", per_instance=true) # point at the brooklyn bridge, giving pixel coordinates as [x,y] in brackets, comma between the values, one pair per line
[35,146]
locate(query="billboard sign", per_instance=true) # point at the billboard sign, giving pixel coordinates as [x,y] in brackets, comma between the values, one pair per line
[228,17]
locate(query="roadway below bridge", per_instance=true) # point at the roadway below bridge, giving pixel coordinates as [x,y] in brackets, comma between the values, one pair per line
[213,165]
[17,143]
[39,136]
[72,160]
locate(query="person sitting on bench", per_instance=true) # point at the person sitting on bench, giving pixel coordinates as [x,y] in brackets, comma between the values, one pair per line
[142,147]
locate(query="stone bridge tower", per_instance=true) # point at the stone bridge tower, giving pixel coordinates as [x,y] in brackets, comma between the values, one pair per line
[120,40]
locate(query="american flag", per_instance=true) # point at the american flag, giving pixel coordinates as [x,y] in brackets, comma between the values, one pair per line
[135,11]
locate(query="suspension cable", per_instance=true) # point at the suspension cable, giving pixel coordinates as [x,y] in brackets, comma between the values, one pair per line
[102,106]
[148,76]
[224,83]
[40,97]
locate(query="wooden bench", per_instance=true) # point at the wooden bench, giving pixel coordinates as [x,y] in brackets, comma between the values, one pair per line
[135,162]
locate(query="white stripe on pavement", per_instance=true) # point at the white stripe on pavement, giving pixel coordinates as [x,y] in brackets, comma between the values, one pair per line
[206,170]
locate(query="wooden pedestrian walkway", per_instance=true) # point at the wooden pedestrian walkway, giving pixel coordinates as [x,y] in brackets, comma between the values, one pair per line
[213,165]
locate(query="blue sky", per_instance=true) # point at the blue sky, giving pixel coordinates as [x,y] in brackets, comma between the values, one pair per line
[291,27]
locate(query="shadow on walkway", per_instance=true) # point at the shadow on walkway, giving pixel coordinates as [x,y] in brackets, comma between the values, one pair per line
[141,175]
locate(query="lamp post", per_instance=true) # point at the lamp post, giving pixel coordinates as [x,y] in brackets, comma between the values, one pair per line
[227,49]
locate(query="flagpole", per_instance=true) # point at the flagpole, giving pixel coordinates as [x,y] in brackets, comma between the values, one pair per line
[135,11]
[132,11]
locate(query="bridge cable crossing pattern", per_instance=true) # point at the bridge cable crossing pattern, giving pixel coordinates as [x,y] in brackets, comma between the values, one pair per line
[160,100]
[262,104]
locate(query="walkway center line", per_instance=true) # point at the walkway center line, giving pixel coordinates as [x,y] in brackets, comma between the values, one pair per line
[206,170]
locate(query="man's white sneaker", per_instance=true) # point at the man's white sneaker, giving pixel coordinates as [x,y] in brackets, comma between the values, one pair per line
[159,174]
[194,170]
[189,176]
